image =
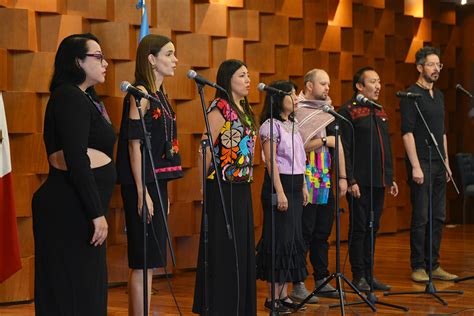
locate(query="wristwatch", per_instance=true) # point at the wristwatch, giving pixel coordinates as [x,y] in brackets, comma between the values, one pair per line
[325,140]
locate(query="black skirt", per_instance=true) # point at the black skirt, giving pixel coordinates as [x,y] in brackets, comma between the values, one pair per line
[290,249]
[70,273]
[156,234]
[223,298]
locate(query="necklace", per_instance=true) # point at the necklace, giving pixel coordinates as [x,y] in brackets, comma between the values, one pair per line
[170,149]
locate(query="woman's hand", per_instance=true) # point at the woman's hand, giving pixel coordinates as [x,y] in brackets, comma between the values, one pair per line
[342,187]
[282,201]
[394,189]
[149,203]
[305,194]
[100,231]
[354,190]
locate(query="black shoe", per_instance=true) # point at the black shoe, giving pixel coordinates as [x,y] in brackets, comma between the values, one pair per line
[361,284]
[279,308]
[379,286]
[292,305]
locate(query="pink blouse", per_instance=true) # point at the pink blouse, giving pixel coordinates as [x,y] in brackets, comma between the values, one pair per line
[285,143]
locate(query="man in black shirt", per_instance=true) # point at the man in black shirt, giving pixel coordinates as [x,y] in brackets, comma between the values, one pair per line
[415,136]
[358,158]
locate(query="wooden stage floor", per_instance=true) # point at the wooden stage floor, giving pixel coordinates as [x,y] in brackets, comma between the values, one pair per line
[392,267]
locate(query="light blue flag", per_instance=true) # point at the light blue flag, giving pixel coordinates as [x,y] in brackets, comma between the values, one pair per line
[144,28]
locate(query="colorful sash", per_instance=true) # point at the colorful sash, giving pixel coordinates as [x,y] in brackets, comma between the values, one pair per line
[318,176]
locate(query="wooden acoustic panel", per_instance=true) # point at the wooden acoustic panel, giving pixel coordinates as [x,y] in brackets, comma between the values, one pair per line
[18,38]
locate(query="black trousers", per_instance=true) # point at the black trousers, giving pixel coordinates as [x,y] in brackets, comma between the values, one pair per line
[419,230]
[359,230]
[317,226]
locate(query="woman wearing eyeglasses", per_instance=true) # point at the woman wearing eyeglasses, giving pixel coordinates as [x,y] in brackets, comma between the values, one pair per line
[69,209]
[155,61]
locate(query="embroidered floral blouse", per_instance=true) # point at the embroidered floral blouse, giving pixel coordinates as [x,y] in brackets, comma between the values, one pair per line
[234,146]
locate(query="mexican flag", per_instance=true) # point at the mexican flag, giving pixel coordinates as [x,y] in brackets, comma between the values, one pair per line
[9,249]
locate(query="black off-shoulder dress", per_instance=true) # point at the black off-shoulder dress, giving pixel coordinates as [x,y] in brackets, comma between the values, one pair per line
[70,273]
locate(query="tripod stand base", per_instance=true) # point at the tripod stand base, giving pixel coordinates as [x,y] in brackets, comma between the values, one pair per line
[339,277]
[371,297]
[429,289]
[457,280]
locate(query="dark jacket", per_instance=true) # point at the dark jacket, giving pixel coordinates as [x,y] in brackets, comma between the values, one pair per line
[357,149]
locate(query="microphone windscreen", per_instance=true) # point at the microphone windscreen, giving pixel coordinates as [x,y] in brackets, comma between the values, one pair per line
[360,98]
[326,108]
[261,86]
[191,74]
[124,86]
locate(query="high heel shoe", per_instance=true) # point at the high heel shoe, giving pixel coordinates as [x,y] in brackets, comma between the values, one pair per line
[279,307]
[291,305]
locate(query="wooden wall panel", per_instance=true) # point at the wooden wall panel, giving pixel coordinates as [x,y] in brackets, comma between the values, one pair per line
[115,39]
[244,24]
[277,39]
[194,49]
[90,9]
[22,112]
[24,185]
[50,6]
[211,19]
[14,37]
[3,69]
[33,78]
[175,14]
[53,28]
[20,286]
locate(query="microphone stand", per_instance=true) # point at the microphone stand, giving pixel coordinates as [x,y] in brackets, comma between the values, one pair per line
[430,288]
[204,144]
[371,295]
[273,204]
[338,275]
[205,227]
[146,148]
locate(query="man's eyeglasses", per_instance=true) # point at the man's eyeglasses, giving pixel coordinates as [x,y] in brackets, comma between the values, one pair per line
[99,56]
[432,64]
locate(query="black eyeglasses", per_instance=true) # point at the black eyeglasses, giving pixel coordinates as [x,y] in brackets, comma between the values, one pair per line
[99,56]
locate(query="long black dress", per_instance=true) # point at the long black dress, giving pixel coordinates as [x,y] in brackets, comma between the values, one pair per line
[70,273]
[234,148]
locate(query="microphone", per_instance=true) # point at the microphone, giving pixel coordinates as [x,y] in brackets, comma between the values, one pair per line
[263,87]
[328,109]
[126,86]
[460,88]
[411,95]
[365,100]
[203,81]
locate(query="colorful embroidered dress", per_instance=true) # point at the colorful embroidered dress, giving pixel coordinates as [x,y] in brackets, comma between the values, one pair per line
[234,146]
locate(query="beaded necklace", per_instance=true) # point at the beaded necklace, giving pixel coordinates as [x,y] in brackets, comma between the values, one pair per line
[168,113]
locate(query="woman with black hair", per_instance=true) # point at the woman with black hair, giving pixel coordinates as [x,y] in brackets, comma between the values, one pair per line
[69,209]
[233,131]
[156,60]
[289,165]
